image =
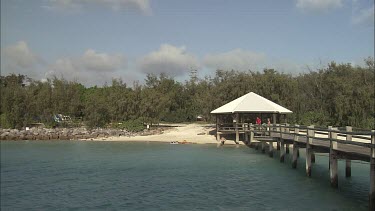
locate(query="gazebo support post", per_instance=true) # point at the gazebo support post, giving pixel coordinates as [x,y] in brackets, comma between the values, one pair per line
[236,128]
[217,128]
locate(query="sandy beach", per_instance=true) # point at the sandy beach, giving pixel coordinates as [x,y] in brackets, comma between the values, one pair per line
[190,133]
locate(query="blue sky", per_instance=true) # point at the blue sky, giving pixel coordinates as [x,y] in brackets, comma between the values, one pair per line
[92,41]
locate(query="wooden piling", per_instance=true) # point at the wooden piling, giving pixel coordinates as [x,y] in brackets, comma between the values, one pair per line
[348,163]
[295,147]
[251,134]
[312,157]
[236,127]
[278,146]
[246,137]
[282,151]
[309,150]
[333,158]
[217,128]
[312,152]
[372,174]
[287,145]
[270,149]
[263,147]
[282,129]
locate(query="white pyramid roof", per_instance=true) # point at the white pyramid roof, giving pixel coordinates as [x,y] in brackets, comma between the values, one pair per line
[251,103]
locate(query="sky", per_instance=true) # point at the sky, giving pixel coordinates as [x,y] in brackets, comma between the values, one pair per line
[93,41]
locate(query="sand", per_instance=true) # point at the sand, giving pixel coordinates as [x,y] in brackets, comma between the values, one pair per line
[180,133]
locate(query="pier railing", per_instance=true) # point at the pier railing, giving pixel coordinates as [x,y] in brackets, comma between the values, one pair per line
[359,138]
[339,143]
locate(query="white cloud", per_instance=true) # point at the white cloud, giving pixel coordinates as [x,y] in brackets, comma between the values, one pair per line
[20,59]
[236,59]
[318,5]
[174,61]
[137,5]
[364,17]
[91,68]
[101,62]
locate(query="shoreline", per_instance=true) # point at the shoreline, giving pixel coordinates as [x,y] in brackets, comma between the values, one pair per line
[191,133]
[182,133]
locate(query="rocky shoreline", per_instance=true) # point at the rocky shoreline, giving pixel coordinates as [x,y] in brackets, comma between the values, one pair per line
[70,133]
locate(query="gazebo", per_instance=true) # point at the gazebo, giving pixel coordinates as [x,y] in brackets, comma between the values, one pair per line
[244,109]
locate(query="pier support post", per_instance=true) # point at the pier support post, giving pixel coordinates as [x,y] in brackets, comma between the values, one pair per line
[281,131]
[309,150]
[372,173]
[278,146]
[348,168]
[282,151]
[295,147]
[295,155]
[236,127]
[246,138]
[312,152]
[312,157]
[348,163]
[287,130]
[333,158]
[217,129]
[270,149]
[251,134]
[263,146]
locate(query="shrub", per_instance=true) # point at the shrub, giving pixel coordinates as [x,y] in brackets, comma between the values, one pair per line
[132,125]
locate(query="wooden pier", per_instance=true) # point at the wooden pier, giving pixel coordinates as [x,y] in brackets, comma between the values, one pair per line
[343,143]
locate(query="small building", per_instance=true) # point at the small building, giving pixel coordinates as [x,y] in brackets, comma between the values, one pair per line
[245,110]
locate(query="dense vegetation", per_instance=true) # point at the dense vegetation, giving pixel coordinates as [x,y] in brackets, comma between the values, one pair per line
[337,95]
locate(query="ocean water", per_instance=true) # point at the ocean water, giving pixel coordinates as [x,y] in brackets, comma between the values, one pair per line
[75,175]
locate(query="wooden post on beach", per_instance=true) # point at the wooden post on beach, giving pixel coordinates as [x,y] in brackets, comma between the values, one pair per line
[309,150]
[295,147]
[348,162]
[333,158]
[372,173]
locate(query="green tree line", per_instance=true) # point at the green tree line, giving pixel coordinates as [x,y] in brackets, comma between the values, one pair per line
[340,94]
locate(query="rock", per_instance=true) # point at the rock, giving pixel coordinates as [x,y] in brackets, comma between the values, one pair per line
[63,137]
[54,137]
[29,137]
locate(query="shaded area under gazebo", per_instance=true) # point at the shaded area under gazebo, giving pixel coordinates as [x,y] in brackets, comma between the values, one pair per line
[237,116]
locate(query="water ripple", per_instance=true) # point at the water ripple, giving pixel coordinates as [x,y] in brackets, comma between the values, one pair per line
[148,176]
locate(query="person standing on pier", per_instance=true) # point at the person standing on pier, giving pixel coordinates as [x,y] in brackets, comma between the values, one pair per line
[258,121]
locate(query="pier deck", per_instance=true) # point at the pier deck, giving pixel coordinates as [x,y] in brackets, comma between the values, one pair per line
[339,144]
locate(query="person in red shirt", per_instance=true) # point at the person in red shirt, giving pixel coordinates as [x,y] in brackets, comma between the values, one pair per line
[258,121]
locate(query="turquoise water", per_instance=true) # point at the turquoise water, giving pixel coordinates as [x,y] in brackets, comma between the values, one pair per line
[74,175]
